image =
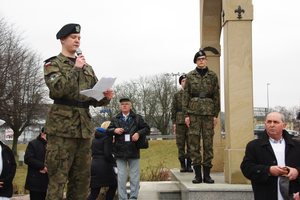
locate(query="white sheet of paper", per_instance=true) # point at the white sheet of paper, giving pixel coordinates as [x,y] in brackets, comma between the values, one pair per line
[1,122]
[127,137]
[101,86]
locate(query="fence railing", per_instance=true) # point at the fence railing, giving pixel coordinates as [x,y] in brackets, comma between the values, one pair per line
[161,137]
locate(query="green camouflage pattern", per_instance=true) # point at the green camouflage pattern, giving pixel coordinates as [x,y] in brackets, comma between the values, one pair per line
[195,84]
[68,160]
[64,81]
[201,112]
[201,126]
[177,116]
[182,141]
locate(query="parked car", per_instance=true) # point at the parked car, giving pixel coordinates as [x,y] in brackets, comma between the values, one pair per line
[293,133]
[258,130]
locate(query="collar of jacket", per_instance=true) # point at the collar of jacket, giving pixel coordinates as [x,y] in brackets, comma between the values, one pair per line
[195,72]
[131,114]
[3,145]
[39,137]
[64,59]
[287,138]
[99,134]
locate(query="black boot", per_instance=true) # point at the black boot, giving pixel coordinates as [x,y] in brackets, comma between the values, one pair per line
[206,177]
[182,163]
[198,177]
[188,166]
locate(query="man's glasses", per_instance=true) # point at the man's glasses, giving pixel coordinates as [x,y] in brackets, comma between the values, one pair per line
[125,104]
[201,59]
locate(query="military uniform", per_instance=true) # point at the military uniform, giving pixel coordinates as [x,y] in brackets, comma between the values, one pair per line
[177,118]
[201,103]
[69,127]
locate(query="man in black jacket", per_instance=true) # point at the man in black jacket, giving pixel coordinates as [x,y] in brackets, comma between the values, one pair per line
[127,128]
[271,160]
[7,171]
[37,177]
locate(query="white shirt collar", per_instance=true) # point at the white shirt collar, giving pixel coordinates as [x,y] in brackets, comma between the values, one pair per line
[275,142]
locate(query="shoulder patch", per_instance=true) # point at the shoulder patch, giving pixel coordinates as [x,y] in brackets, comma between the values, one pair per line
[47,60]
[47,64]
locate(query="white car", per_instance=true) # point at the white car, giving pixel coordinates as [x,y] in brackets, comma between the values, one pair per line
[293,133]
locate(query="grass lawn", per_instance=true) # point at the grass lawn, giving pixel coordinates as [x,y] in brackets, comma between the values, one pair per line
[160,154]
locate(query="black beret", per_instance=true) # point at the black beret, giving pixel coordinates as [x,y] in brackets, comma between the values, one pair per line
[198,54]
[67,30]
[181,77]
[124,99]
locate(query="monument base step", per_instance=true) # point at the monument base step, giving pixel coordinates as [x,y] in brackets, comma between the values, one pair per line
[204,191]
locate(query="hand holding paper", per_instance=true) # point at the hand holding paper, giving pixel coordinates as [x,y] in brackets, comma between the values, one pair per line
[104,84]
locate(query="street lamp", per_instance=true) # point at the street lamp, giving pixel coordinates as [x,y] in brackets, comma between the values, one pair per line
[173,74]
[268,97]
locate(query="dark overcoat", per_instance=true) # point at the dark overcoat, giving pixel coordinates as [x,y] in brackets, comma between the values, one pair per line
[8,171]
[260,157]
[102,172]
[35,158]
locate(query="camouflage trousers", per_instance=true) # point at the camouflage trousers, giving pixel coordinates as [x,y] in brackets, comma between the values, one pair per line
[201,126]
[68,159]
[182,141]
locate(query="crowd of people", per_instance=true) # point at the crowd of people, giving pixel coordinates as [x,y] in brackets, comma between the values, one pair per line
[69,155]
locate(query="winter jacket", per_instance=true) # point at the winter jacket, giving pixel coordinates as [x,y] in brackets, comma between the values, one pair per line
[135,123]
[258,159]
[102,172]
[34,158]
[8,171]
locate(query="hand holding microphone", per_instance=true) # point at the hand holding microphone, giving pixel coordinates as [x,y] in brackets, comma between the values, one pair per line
[80,61]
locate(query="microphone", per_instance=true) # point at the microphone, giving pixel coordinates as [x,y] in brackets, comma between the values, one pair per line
[79,52]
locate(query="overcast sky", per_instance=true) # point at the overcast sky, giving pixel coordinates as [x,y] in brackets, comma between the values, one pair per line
[132,38]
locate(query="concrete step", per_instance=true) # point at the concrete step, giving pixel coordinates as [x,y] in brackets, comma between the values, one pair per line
[219,190]
[156,190]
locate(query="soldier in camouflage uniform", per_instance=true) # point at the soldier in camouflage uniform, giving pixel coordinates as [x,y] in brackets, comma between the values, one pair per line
[181,129]
[201,106]
[68,126]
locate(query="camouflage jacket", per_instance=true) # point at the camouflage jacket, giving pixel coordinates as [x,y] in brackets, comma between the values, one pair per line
[208,85]
[64,81]
[177,116]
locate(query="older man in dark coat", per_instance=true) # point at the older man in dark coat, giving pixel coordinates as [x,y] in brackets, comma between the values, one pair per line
[272,159]
[127,127]
[37,177]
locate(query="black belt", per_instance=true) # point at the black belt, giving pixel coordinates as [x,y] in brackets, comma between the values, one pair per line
[79,104]
[179,110]
[201,95]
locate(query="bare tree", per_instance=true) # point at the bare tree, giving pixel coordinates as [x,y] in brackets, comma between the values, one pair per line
[287,113]
[22,88]
[160,101]
[150,97]
[294,111]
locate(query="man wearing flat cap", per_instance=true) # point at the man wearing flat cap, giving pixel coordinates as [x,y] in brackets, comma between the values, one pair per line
[68,125]
[127,127]
[181,129]
[201,107]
